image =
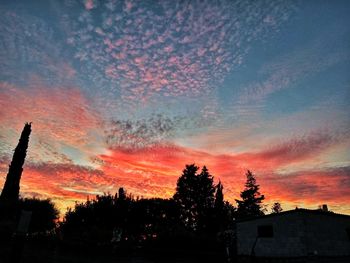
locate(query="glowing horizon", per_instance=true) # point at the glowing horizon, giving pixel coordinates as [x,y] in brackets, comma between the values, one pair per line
[126,93]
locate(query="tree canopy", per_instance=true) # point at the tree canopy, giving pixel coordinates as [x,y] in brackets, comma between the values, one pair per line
[195,197]
[185,196]
[251,203]
[276,208]
[44,214]
[197,207]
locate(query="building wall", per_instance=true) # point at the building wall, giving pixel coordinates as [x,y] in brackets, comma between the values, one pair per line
[327,236]
[296,234]
[288,239]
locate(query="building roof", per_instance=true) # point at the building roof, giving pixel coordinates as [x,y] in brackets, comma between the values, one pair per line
[297,210]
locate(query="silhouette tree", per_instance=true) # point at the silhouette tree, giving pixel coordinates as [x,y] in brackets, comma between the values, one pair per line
[219,198]
[185,196]
[10,192]
[195,198]
[219,207]
[205,198]
[92,220]
[224,212]
[121,194]
[152,218]
[106,216]
[250,205]
[276,208]
[44,214]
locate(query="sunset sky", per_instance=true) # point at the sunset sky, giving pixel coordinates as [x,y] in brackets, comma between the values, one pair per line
[125,93]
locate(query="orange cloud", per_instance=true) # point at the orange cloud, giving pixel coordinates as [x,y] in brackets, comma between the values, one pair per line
[153,170]
[62,113]
[311,186]
[62,118]
[63,183]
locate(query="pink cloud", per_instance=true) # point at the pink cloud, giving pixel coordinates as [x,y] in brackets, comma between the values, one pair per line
[298,149]
[89,4]
[196,68]
[61,116]
[153,171]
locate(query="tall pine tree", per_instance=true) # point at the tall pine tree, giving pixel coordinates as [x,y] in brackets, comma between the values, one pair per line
[250,205]
[195,197]
[205,199]
[185,196]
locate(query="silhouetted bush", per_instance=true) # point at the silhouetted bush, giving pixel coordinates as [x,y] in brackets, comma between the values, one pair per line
[44,214]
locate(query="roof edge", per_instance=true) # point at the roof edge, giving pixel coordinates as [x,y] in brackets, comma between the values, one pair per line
[297,210]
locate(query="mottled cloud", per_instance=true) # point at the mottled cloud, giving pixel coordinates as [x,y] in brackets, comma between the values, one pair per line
[125,93]
[169,48]
[31,46]
[133,135]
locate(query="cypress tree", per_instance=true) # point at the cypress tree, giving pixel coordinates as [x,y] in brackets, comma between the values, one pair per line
[10,192]
[219,198]
[219,206]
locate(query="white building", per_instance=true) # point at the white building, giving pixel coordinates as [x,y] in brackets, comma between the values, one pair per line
[299,233]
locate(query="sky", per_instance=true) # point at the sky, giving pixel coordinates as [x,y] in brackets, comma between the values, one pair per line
[126,93]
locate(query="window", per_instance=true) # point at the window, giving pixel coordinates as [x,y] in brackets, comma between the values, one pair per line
[265,231]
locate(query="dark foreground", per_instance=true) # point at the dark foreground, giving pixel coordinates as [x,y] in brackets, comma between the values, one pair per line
[51,251]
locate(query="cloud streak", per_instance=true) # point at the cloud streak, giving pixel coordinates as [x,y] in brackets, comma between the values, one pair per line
[63,113]
[61,117]
[297,149]
[30,47]
[289,69]
[153,171]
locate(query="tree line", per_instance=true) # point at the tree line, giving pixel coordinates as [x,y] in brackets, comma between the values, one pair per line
[197,209]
